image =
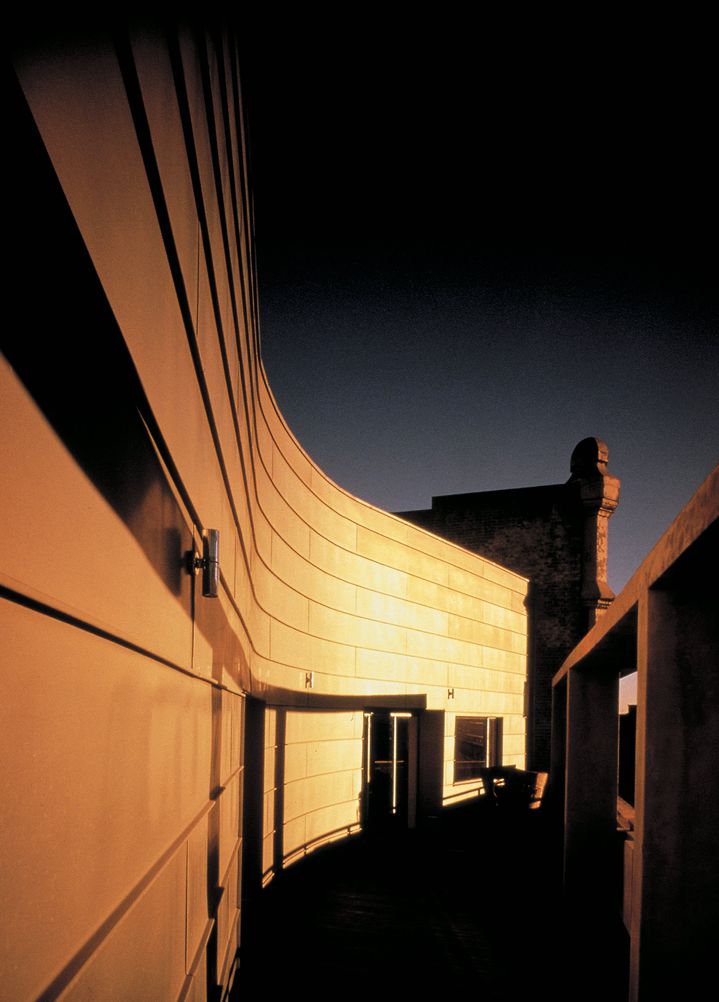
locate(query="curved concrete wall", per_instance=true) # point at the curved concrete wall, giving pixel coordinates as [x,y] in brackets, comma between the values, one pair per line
[136,414]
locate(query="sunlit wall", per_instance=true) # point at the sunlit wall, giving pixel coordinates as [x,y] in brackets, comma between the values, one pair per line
[140,420]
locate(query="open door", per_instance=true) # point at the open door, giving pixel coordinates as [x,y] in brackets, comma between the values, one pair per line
[390,770]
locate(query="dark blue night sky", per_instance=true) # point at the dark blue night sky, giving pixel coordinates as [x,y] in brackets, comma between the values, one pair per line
[474,252]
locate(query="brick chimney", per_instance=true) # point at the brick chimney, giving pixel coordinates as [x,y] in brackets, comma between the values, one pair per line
[599,494]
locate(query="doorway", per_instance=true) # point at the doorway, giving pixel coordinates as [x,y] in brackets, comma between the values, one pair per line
[389,781]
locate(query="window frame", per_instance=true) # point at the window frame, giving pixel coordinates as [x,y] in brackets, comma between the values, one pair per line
[493,727]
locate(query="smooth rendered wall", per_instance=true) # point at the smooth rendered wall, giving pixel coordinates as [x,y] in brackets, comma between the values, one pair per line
[135,414]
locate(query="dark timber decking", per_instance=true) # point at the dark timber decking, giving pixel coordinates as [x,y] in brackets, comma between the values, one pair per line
[467,903]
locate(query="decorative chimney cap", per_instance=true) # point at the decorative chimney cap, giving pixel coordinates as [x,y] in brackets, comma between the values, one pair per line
[589,459]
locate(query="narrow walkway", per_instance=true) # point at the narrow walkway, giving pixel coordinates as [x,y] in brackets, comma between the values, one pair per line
[467,903]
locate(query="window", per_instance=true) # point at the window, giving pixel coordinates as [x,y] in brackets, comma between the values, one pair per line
[477,744]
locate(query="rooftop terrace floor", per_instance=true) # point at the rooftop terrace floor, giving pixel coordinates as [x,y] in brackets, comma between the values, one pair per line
[470,902]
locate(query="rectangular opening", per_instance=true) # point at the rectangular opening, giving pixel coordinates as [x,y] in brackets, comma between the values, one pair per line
[477,745]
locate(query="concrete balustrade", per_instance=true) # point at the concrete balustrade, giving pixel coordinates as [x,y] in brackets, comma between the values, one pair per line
[664,878]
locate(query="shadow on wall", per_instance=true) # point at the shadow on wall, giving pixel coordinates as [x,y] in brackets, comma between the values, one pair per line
[87,386]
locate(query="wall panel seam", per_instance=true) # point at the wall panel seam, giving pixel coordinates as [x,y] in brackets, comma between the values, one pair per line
[82,957]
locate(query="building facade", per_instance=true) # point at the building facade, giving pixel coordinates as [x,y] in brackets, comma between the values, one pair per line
[555,535]
[209,647]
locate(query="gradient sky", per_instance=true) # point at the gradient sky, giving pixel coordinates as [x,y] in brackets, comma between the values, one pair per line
[475,251]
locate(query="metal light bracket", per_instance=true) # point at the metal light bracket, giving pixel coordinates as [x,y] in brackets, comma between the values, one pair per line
[208,563]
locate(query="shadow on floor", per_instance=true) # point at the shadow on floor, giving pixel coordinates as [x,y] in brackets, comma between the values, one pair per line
[467,902]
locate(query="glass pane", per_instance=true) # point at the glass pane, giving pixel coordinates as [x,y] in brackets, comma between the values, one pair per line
[470,747]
